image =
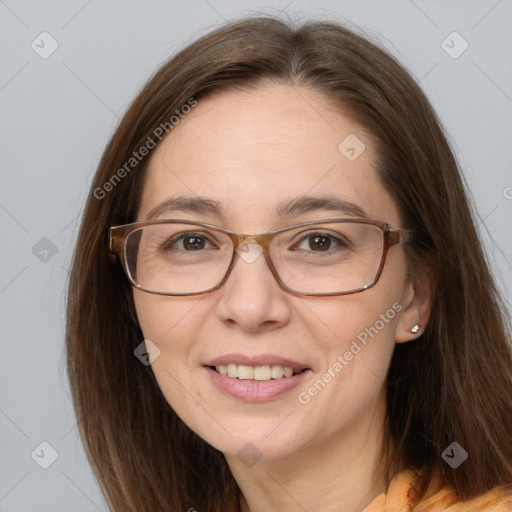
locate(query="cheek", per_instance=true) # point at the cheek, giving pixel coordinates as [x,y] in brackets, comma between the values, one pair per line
[358,334]
[356,356]
[172,324]
[161,317]
[360,317]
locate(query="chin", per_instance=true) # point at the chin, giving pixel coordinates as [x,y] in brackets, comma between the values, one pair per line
[264,438]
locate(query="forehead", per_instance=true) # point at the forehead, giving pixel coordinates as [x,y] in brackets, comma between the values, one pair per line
[252,150]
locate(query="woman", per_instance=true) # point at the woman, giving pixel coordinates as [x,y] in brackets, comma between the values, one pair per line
[278,299]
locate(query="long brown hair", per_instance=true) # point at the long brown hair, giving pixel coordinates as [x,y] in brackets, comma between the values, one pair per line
[452,384]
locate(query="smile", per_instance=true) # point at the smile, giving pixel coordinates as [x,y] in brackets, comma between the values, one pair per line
[255,378]
[261,373]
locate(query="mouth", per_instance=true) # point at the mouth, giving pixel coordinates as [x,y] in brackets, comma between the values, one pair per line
[260,372]
[256,379]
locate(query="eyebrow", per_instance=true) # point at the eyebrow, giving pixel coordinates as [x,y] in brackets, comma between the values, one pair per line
[308,204]
[190,204]
[295,206]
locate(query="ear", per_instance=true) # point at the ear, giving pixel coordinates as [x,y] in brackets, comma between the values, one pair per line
[417,304]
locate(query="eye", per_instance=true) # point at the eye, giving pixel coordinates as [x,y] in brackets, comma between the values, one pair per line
[193,243]
[319,242]
[188,242]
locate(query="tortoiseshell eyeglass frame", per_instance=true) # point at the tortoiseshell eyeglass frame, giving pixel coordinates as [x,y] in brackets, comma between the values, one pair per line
[391,236]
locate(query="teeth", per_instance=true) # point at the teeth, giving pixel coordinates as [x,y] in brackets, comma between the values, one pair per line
[265,372]
[232,370]
[288,372]
[262,373]
[277,372]
[245,372]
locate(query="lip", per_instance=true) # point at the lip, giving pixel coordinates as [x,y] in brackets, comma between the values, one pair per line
[256,391]
[259,360]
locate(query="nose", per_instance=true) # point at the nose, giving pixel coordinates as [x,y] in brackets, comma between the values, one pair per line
[251,299]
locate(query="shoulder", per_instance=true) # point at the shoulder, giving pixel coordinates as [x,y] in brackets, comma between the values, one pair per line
[401,496]
[446,499]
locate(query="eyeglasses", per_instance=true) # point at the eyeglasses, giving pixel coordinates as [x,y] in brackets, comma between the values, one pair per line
[318,258]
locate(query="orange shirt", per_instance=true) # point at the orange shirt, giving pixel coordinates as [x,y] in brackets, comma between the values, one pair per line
[400,498]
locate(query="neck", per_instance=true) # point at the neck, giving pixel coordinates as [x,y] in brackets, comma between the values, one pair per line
[344,471]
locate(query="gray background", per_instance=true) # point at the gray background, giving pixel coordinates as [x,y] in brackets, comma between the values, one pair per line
[57,114]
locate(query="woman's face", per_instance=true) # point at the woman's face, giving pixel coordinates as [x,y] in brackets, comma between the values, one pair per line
[254,152]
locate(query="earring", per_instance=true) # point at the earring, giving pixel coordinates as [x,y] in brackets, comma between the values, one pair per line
[415,329]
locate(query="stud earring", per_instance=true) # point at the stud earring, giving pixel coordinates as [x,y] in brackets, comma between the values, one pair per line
[415,329]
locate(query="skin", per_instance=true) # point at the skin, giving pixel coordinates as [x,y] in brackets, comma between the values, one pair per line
[251,150]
